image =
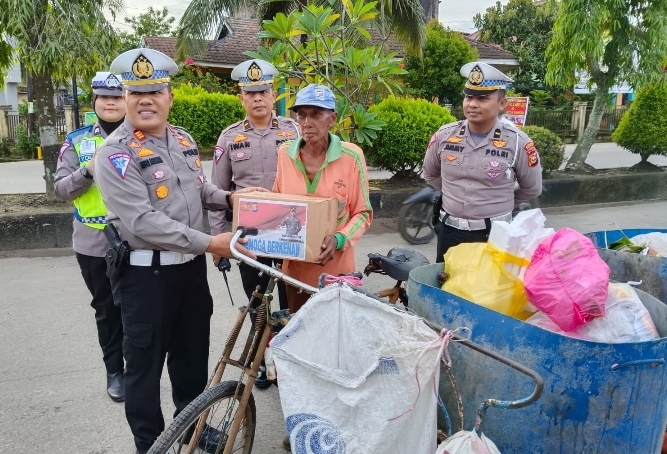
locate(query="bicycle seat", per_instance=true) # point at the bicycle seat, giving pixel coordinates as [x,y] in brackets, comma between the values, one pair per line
[397,264]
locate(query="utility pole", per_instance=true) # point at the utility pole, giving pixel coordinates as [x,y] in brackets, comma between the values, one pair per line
[75,103]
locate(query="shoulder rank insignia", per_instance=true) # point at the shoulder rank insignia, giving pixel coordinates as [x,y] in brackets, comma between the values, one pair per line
[455,139]
[274,123]
[240,138]
[499,143]
[496,134]
[246,124]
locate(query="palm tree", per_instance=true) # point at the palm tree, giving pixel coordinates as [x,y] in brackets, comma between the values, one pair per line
[202,19]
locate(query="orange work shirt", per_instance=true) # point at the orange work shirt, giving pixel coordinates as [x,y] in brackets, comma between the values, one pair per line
[343,176]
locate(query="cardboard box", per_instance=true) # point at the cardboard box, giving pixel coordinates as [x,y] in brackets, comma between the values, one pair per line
[290,226]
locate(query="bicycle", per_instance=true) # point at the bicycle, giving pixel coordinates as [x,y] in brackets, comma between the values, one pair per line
[229,406]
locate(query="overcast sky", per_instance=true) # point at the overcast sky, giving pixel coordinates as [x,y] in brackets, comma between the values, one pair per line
[455,14]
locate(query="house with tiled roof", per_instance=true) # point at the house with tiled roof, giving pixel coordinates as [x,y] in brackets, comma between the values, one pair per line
[493,54]
[238,35]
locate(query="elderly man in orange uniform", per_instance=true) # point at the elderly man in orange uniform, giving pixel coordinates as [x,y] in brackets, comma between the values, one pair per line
[321,165]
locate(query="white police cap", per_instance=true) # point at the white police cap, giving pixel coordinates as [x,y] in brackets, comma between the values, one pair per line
[144,69]
[254,75]
[107,84]
[483,79]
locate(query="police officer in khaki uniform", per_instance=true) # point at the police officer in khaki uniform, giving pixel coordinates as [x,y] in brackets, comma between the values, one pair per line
[74,181]
[151,179]
[246,154]
[482,165]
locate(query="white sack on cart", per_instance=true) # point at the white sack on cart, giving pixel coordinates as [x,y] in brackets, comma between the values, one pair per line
[347,367]
[465,442]
[626,320]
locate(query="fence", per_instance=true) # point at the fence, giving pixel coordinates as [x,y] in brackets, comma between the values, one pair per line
[564,121]
[14,120]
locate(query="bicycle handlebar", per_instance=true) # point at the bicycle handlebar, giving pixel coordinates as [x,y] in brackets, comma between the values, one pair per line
[241,232]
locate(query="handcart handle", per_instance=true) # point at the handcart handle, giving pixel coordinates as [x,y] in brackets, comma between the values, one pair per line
[537,391]
[242,232]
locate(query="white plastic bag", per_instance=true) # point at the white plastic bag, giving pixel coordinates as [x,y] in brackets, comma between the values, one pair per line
[520,237]
[347,374]
[626,320]
[655,240]
[465,442]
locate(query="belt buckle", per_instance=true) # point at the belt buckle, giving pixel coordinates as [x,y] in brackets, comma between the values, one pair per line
[464,224]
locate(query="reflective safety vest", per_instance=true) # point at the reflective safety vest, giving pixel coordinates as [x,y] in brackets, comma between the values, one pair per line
[89,207]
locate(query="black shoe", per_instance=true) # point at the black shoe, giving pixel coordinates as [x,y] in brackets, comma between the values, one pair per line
[115,388]
[212,440]
[261,382]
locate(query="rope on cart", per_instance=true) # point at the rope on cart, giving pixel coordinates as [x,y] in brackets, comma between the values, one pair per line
[639,362]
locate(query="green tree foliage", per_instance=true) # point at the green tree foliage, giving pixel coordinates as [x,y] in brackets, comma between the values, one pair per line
[54,40]
[358,75]
[202,18]
[643,128]
[401,144]
[522,27]
[204,115]
[196,76]
[154,22]
[549,146]
[437,72]
[612,41]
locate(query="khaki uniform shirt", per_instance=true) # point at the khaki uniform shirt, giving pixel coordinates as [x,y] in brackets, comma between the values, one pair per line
[155,192]
[249,157]
[477,181]
[69,183]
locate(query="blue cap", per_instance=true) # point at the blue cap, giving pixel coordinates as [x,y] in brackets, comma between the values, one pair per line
[315,95]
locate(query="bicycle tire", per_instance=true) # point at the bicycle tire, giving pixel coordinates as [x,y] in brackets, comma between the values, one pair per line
[170,440]
[423,210]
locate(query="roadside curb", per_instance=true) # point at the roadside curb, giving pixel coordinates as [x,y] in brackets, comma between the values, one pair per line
[54,230]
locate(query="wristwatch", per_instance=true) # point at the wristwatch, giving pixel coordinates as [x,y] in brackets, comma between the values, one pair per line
[86,174]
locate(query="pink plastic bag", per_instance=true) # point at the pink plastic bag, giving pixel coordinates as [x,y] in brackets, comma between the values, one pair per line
[567,279]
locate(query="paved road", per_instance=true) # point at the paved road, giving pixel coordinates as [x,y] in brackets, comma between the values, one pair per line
[26,177]
[51,375]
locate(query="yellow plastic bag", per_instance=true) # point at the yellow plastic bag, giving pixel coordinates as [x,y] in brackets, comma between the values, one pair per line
[477,273]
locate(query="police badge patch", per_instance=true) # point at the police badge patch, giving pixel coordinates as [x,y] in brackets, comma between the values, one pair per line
[64,147]
[219,151]
[120,161]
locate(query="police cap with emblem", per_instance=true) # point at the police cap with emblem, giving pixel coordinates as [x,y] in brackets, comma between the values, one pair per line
[144,69]
[483,79]
[254,75]
[107,84]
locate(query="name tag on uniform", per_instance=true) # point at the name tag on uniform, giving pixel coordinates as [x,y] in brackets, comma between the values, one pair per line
[87,150]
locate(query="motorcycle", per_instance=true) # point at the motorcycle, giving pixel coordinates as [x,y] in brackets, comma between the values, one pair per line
[415,218]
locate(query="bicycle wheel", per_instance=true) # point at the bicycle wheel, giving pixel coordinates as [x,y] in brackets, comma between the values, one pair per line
[222,406]
[415,219]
